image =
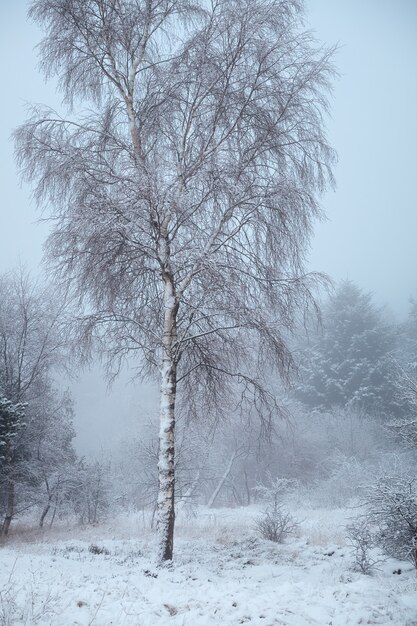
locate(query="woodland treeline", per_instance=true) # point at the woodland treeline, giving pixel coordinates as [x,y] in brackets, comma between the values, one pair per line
[351,409]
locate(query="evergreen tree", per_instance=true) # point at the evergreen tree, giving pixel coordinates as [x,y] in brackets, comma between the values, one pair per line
[11,422]
[349,361]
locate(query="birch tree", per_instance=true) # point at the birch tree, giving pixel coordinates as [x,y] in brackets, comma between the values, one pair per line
[183,179]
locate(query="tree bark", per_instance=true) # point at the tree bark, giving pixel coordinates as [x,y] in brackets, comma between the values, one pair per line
[166,461]
[53,516]
[44,514]
[248,494]
[10,507]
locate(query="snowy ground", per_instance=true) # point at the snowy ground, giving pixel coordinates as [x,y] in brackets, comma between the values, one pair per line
[223,575]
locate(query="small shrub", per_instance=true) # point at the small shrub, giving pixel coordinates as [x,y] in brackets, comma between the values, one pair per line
[24,606]
[362,539]
[9,610]
[97,549]
[276,524]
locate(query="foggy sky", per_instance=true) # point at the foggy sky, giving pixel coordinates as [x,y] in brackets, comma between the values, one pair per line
[371,233]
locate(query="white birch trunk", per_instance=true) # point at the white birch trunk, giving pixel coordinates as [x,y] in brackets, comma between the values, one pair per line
[166,462]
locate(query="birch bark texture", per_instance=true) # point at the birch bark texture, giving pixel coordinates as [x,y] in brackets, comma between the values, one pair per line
[183,180]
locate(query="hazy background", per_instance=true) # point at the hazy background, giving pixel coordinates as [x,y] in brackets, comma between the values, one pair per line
[371,235]
[371,232]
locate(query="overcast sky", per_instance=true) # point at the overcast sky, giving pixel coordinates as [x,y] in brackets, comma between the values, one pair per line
[371,232]
[371,235]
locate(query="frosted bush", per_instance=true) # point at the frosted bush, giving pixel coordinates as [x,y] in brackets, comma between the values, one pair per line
[391,506]
[363,541]
[276,524]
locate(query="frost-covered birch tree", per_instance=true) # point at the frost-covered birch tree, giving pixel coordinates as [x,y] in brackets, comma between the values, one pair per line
[183,179]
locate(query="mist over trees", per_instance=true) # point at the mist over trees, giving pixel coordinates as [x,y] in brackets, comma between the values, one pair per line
[266,413]
[182,180]
[327,456]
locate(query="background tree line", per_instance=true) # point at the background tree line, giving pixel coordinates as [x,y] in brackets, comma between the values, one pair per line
[39,468]
[338,422]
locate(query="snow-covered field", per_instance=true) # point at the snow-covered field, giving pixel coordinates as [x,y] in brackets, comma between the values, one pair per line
[223,575]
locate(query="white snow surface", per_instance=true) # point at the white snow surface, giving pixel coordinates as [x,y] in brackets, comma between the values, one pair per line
[223,575]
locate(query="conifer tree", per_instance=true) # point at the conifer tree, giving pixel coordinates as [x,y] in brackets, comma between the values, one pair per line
[349,360]
[11,422]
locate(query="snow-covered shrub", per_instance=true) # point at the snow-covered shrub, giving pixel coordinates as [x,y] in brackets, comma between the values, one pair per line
[276,524]
[363,540]
[8,607]
[391,506]
[25,606]
[404,428]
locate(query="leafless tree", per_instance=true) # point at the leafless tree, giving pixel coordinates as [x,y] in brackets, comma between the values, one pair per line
[92,496]
[29,345]
[183,197]
[30,342]
[48,441]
